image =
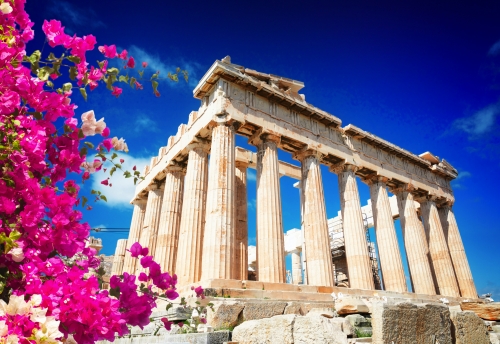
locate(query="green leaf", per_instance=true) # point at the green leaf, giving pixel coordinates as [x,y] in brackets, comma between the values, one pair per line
[114,292]
[51,57]
[83,91]
[83,151]
[17,122]
[169,306]
[93,192]
[132,81]
[141,73]
[123,78]
[104,198]
[177,70]
[81,135]
[113,169]
[67,86]
[109,82]
[101,63]
[16,145]
[73,72]
[74,59]
[35,57]
[84,201]
[89,144]
[113,70]
[14,235]
[154,76]
[154,83]
[44,73]
[114,156]
[49,83]
[127,174]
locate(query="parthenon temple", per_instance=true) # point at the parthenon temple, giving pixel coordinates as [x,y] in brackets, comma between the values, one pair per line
[191,208]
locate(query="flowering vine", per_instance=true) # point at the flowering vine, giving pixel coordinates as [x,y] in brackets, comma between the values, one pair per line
[47,294]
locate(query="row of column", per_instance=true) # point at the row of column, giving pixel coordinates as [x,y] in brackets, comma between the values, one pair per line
[196,225]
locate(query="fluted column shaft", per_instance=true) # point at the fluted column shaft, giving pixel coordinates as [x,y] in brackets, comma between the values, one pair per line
[118,259]
[457,252]
[356,245]
[387,241]
[296,267]
[219,239]
[170,219]
[134,234]
[270,237]
[416,248]
[188,265]
[318,254]
[441,264]
[241,236]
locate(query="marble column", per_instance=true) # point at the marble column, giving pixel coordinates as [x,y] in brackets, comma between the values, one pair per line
[441,265]
[170,218]
[457,252]
[241,236]
[189,253]
[317,241]
[151,220]
[219,238]
[387,241]
[119,257]
[356,245]
[296,267]
[414,239]
[270,237]
[134,234]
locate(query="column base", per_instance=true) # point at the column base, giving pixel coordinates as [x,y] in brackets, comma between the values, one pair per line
[237,289]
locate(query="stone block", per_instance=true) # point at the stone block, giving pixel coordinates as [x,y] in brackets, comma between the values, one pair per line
[280,286]
[222,283]
[433,324]
[306,307]
[253,285]
[351,305]
[327,290]
[467,327]
[308,288]
[294,308]
[494,338]
[495,328]
[394,323]
[189,338]
[277,329]
[260,310]
[324,312]
[316,329]
[358,320]
[225,314]
[337,323]
[486,311]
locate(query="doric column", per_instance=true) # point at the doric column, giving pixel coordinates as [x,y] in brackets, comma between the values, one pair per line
[170,218]
[270,237]
[356,245]
[414,238]
[441,265]
[387,241]
[134,234]
[151,218]
[118,259]
[241,236]
[296,267]
[317,241]
[457,252]
[189,253]
[219,240]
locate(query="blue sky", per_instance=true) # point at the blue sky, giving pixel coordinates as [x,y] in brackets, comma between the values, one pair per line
[423,75]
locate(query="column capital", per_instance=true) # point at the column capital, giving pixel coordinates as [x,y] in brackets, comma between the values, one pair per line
[151,187]
[199,144]
[445,204]
[375,178]
[175,167]
[426,198]
[305,153]
[242,164]
[343,167]
[403,187]
[139,201]
[262,136]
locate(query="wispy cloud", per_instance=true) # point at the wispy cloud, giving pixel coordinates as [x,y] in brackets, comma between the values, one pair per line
[157,63]
[123,189]
[458,182]
[495,49]
[251,175]
[73,16]
[145,123]
[480,122]
[252,204]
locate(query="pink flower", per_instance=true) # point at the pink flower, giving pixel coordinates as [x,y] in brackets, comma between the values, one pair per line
[109,52]
[144,64]
[116,91]
[167,324]
[119,144]
[105,132]
[104,182]
[108,144]
[85,176]
[171,294]
[137,250]
[122,161]
[131,62]
[90,126]
[55,33]
[138,86]
[7,206]
[123,54]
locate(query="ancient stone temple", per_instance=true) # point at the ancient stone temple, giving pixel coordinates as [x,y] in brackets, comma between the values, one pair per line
[191,211]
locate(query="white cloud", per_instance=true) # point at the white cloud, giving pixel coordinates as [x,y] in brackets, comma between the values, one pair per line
[495,49]
[122,189]
[252,204]
[480,122]
[71,15]
[251,175]
[457,183]
[145,123]
[157,63]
